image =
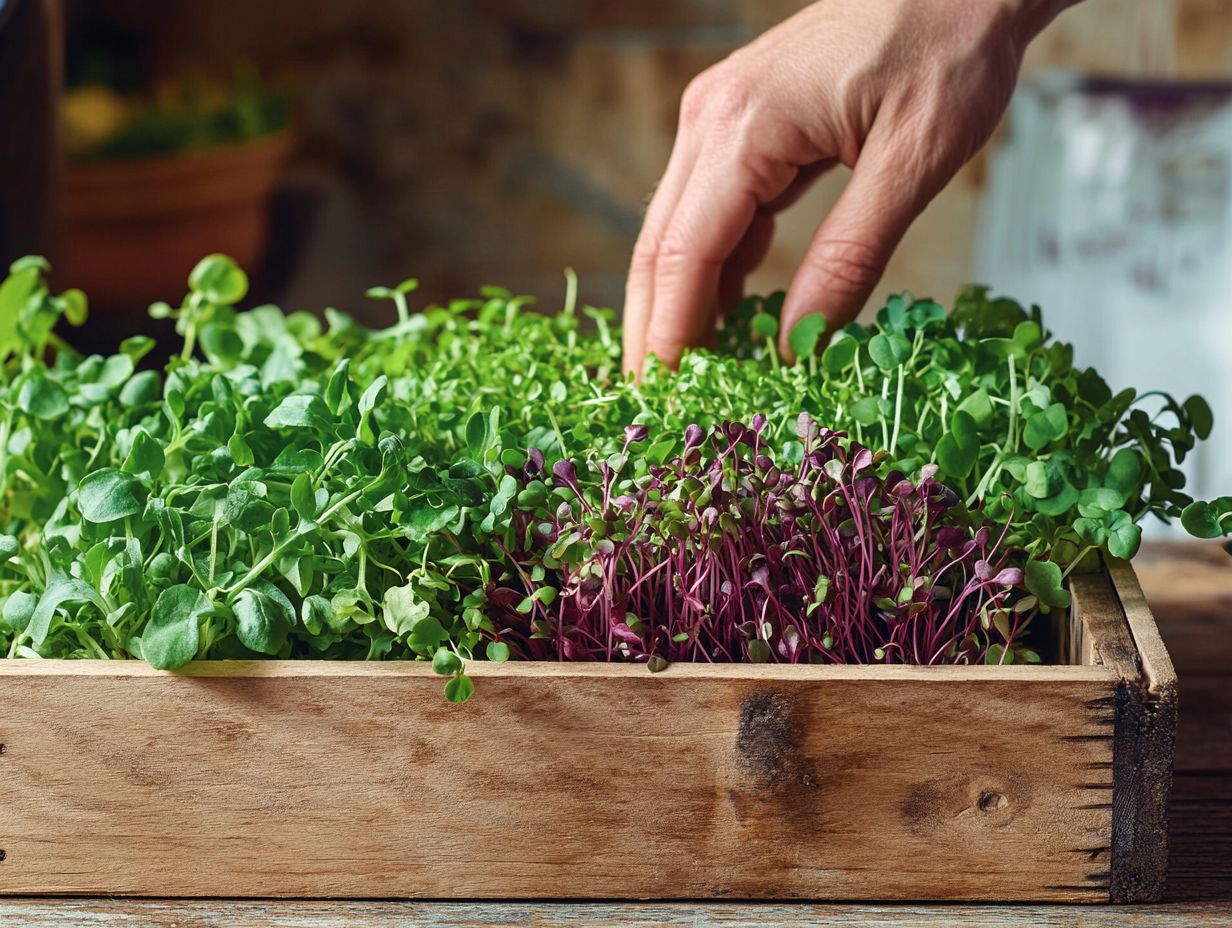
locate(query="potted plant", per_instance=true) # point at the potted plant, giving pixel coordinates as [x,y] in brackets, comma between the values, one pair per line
[159,179]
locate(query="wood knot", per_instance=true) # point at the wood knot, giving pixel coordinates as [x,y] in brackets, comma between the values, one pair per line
[953,805]
[990,801]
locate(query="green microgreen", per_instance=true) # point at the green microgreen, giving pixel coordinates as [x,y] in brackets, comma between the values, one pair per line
[297,487]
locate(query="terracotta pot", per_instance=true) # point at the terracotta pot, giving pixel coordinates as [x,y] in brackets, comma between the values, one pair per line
[132,230]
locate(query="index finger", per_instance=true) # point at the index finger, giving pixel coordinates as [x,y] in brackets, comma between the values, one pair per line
[709,221]
[639,286]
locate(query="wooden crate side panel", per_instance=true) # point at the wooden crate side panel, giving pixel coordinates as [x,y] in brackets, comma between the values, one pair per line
[556,786]
[1144,748]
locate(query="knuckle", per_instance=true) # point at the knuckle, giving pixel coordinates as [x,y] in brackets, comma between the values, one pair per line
[735,100]
[849,267]
[675,248]
[767,172]
[696,98]
[722,94]
[645,249]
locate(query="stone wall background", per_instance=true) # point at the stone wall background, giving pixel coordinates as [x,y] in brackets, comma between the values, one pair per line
[476,141]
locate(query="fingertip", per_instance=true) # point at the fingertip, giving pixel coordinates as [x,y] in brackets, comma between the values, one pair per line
[664,350]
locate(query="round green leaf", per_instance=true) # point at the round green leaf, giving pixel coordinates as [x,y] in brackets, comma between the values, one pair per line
[1027,336]
[145,455]
[1043,578]
[978,406]
[108,495]
[954,459]
[76,306]
[446,662]
[298,411]
[1046,426]
[1061,502]
[889,351]
[142,387]
[759,651]
[337,391]
[1200,416]
[219,280]
[959,448]
[1198,519]
[806,334]
[1091,531]
[865,411]
[497,651]
[1124,536]
[963,427]
[1104,498]
[765,325]
[839,353]
[43,398]
[261,623]
[303,498]
[1040,481]
[221,343]
[18,609]
[459,689]
[428,634]
[1124,470]
[173,634]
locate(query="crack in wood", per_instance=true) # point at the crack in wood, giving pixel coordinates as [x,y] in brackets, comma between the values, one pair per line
[1091,853]
[1108,737]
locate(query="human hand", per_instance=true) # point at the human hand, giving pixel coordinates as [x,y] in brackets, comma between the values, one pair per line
[904,92]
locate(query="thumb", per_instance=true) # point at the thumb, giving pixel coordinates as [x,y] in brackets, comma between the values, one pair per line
[853,244]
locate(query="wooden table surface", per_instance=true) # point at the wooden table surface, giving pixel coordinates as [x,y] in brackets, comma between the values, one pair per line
[1190,589]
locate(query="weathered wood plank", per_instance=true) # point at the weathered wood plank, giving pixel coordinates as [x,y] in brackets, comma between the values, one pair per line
[1103,635]
[1146,718]
[703,784]
[150,914]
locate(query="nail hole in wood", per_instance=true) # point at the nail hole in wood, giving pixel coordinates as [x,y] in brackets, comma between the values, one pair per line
[3,855]
[1,748]
[991,802]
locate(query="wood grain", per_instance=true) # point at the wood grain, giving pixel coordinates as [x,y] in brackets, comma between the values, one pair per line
[556,784]
[1146,719]
[96,913]
[1199,889]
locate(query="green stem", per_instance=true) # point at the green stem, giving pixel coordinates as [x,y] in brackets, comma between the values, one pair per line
[885,433]
[5,428]
[1077,560]
[262,565]
[1010,439]
[898,411]
[560,438]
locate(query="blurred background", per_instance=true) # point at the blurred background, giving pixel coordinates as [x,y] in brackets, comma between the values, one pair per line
[331,146]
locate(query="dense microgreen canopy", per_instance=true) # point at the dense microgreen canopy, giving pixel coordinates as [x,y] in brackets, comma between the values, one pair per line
[727,553]
[293,486]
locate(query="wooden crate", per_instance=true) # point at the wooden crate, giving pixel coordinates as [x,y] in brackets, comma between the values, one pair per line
[360,780]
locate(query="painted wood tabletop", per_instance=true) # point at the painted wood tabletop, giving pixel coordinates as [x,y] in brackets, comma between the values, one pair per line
[1190,590]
